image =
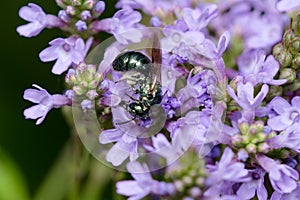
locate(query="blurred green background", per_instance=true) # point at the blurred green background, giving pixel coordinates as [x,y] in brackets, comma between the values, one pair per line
[32,148]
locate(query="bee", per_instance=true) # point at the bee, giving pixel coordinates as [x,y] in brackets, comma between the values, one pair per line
[143,75]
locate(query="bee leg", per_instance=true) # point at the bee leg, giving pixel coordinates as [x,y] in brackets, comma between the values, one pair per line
[131,97]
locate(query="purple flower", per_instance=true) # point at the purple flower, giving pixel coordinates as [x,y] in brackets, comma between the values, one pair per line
[189,130]
[184,44]
[143,184]
[287,113]
[245,98]
[110,54]
[45,102]
[162,147]
[124,147]
[121,25]
[258,22]
[226,170]
[170,73]
[197,19]
[255,185]
[256,68]
[153,7]
[287,5]
[282,177]
[198,90]
[125,136]
[289,138]
[295,194]
[170,105]
[38,20]
[66,51]
[210,50]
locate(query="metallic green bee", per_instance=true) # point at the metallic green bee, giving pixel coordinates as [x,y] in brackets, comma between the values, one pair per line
[144,78]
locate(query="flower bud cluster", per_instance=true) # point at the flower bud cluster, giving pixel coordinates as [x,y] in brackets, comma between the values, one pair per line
[84,80]
[78,14]
[252,138]
[188,177]
[287,52]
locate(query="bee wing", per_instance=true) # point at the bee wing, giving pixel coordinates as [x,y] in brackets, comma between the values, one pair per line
[156,57]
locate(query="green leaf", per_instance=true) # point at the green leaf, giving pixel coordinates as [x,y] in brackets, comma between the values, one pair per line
[12,183]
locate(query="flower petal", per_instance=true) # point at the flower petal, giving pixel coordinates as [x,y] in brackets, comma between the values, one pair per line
[30,30]
[49,54]
[30,12]
[111,135]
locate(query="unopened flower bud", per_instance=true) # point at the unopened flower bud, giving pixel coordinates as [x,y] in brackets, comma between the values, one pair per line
[200,181]
[243,155]
[237,139]
[93,84]
[263,147]
[187,180]
[244,127]
[85,15]
[274,91]
[89,4]
[99,8]
[155,21]
[76,2]
[296,62]
[287,73]
[91,69]
[70,10]
[288,37]
[81,25]
[179,185]
[86,104]
[62,14]
[98,77]
[70,79]
[83,84]
[261,137]
[294,45]
[195,192]
[81,70]
[282,55]
[78,90]
[92,94]
[260,125]
[251,148]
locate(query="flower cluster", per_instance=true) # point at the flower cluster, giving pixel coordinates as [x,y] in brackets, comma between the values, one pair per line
[220,113]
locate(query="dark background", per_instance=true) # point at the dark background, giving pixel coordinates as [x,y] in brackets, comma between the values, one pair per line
[33,148]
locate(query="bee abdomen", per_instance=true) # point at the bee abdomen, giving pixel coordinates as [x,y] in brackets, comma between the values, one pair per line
[132,60]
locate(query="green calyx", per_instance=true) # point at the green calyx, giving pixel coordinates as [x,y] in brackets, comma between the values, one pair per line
[251,138]
[188,176]
[85,81]
[287,53]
